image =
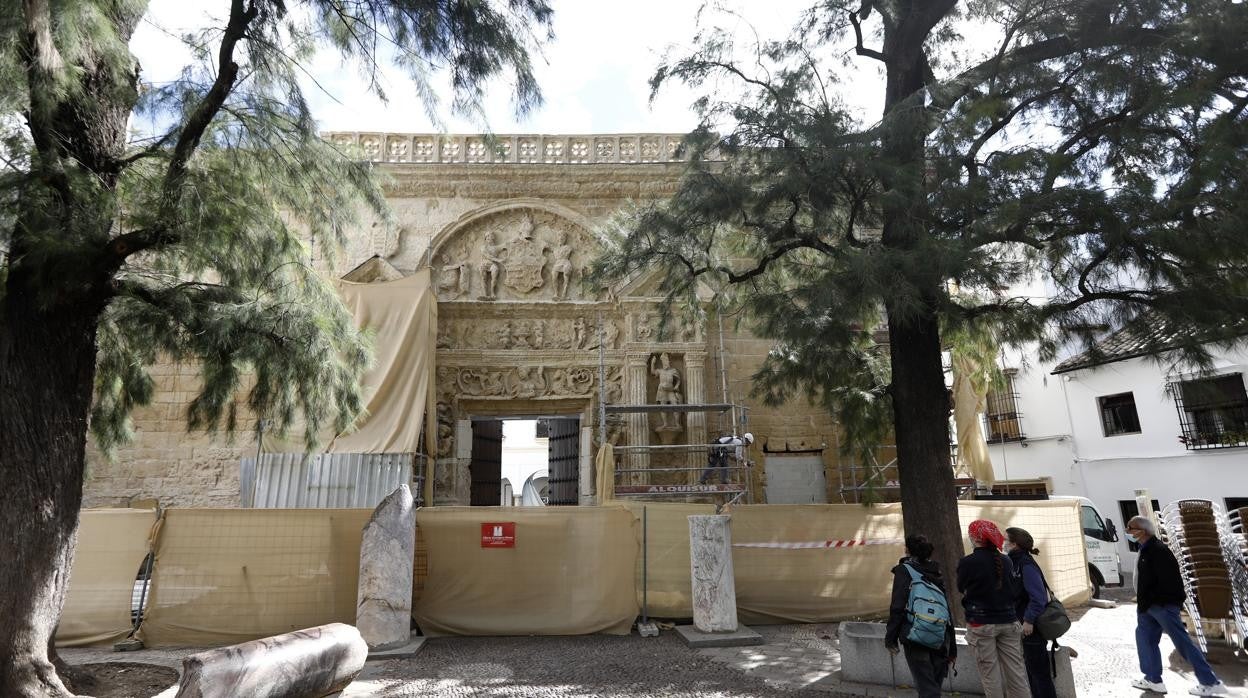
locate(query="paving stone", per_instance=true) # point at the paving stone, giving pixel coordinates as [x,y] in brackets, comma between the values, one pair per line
[796,660]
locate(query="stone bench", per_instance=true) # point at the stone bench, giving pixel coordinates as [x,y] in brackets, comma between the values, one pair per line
[864,660]
[302,664]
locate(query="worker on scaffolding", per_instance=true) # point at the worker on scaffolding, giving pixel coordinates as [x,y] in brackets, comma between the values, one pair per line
[717,458]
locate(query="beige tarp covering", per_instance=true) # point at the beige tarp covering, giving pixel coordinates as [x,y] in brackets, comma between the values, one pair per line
[784,585]
[399,386]
[604,473]
[970,391]
[224,576]
[111,546]
[570,572]
[667,567]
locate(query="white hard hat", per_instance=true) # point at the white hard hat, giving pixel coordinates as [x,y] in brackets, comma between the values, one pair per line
[749,438]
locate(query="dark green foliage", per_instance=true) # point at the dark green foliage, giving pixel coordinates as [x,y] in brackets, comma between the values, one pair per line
[1099,144]
[196,243]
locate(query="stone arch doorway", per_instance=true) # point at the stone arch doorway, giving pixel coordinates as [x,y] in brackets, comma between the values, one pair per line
[521,331]
[518,334]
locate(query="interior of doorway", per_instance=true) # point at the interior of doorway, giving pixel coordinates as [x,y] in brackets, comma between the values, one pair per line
[525,460]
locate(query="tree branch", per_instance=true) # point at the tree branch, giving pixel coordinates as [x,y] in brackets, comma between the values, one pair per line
[119,248]
[945,94]
[859,48]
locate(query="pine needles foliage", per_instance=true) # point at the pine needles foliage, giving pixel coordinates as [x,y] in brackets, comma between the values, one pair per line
[1096,147]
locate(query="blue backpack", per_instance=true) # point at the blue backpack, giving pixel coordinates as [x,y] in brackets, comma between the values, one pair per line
[927,610]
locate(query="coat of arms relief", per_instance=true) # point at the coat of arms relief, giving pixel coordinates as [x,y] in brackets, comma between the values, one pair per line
[515,255]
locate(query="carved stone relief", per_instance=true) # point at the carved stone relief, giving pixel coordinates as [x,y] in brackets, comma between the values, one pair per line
[523,382]
[577,333]
[517,254]
[454,278]
[446,430]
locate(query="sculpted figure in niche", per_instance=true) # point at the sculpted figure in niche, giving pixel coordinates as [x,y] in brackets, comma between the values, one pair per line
[562,267]
[454,279]
[612,335]
[668,391]
[492,263]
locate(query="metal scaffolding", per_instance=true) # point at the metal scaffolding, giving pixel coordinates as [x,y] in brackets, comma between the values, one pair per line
[701,459]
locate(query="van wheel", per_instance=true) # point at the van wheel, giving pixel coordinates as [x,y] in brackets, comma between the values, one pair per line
[1097,581]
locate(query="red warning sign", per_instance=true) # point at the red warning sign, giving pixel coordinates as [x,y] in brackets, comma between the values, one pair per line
[498,535]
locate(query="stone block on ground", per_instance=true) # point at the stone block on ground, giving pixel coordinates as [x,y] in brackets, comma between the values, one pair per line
[864,660]
[697,639]
[307,663]
[406,651]
[387,552]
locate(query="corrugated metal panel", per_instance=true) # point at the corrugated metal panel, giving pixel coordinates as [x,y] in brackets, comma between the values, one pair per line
[326,480]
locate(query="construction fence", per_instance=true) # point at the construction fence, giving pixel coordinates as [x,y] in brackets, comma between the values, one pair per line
[223,576]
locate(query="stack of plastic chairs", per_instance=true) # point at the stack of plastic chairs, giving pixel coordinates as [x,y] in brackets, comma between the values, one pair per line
[1211,559]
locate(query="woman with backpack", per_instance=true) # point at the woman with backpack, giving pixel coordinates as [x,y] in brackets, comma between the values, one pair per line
[1021,546]
[918,618]
[989,593]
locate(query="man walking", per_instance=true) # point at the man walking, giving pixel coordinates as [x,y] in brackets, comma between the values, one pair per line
[1159,593]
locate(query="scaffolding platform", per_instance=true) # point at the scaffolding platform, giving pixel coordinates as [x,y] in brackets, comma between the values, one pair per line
[677,490]
[649,409]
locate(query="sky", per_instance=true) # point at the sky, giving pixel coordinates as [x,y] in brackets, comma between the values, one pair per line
[593,74]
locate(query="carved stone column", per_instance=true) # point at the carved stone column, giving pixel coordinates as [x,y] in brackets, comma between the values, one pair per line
[457,490]
[695,394]
[714,588]
[638,422]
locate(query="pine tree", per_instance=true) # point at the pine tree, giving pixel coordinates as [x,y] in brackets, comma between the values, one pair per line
[120,251]
[1100,143]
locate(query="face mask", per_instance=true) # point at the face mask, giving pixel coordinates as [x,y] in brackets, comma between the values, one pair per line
[1133,538]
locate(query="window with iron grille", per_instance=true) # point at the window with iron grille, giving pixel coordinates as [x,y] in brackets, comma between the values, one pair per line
[1118,415]
[1213,412]
[1002,420]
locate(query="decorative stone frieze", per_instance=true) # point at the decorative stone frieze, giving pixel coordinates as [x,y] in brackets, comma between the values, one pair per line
[549,149]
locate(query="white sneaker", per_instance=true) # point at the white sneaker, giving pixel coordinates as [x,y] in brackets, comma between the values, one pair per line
[1217,689]
[1145,685]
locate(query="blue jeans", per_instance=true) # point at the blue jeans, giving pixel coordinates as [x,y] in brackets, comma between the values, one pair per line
[1149,626]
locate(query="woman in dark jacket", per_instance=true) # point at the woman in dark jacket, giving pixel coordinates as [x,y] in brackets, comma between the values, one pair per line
[989,592]
[1021,546]
[928,666]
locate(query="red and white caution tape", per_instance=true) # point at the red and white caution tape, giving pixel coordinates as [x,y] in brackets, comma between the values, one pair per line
[845,543]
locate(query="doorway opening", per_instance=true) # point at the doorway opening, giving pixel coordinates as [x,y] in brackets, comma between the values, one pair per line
[525,461]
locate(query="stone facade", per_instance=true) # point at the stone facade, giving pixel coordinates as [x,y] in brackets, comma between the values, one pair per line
[509,234]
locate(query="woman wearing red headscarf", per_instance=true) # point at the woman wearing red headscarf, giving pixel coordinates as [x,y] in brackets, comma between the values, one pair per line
[989,594]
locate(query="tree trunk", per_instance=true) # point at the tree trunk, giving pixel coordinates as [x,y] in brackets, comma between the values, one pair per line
[56,288]
[47,366]
[920,399]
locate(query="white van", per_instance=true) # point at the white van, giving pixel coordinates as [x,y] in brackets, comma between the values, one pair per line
[1099,538]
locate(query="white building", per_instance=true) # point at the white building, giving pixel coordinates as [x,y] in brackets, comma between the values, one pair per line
[1104,427]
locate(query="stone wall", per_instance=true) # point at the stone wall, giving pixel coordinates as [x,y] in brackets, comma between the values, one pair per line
[165,462]
[433,203]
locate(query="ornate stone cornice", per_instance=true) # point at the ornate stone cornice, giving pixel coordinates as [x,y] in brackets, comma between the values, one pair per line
[545,149]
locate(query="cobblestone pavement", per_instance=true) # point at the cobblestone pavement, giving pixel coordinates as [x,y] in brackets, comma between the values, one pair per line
[796,660]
